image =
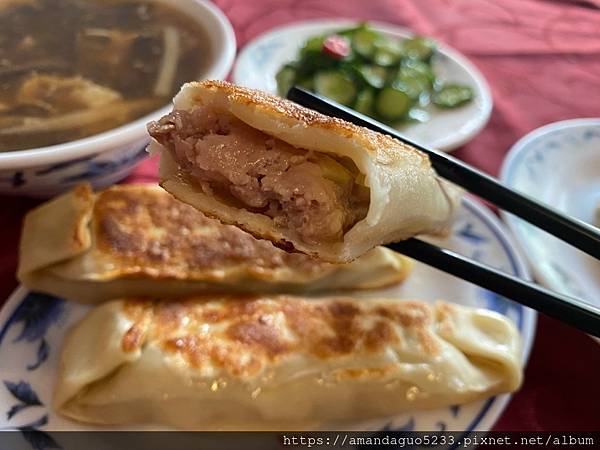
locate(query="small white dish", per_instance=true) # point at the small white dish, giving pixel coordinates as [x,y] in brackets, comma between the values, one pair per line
[260,60]
[33,326]
[558,164]
[108,157]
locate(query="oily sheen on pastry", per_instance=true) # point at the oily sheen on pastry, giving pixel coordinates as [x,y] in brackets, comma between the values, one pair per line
[279,362]
[139,240]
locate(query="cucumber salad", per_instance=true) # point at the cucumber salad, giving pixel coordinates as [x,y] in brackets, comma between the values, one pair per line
[386,78]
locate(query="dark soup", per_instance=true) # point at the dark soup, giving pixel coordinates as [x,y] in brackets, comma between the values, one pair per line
[73,68]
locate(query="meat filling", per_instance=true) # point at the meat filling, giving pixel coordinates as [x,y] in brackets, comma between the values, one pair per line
[309,192]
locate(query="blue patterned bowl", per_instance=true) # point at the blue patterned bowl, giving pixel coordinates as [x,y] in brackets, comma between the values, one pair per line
[558,164]
[108,157]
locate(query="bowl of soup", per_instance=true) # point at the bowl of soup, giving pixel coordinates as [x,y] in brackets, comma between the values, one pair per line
[79,80]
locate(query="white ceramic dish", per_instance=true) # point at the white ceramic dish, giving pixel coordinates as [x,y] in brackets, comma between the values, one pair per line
[107,157]
[558,164]
[33,326]
[259,61]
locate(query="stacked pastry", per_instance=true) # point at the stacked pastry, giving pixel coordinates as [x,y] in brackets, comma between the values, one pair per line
[203,326]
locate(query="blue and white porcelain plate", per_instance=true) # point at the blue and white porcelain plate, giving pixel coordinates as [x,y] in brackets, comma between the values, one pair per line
[260,60]
[559,164]
[33,326]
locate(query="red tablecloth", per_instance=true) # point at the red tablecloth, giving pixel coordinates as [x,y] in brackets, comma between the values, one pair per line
[542,61]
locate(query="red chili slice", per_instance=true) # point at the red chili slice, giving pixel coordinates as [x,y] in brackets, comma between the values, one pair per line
[336,46]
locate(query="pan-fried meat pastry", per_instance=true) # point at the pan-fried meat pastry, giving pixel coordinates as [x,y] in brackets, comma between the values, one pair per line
[139,240]
[288,174]
[280,362]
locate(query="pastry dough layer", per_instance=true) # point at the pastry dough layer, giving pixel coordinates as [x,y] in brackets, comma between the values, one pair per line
[280,362]
[406,196]
[139,240]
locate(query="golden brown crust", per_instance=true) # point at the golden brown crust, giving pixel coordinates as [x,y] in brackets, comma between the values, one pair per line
[405,196]
[84,194]
[244,335]
[133,338]
[133,240]
[223,362]
[56,230]
[444,315]
[285,109]
[149,232]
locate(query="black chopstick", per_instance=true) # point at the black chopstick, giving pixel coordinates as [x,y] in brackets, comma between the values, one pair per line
[575,312]
[570,310]
[573,231]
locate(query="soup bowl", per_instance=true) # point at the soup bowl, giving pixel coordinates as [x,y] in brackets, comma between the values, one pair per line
[108,157]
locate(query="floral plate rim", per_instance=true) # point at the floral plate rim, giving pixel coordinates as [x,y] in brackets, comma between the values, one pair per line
[523,152]
[483,420]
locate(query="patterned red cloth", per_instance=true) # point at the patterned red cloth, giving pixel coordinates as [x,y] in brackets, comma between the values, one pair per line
[542,61]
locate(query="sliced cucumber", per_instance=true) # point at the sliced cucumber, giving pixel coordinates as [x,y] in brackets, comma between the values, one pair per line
[365,102]
[374,76]
[312,58]
[313,44]
[385,58]
[349,32]
[387,53]
[382,76]
[452,96]
[310,63]
[363,42]
[419,47]
[414,87]
[416,68]
[285,80]
[392,104]
[336,86]
[306,83]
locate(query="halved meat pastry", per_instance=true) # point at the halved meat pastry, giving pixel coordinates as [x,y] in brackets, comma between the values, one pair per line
[139,240]
[280,362]
[288,174]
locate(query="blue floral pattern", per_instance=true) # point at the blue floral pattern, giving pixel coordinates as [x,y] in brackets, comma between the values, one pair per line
[37,313]
[537,165]
[97,168]
[468,232]
[39,440]
[63,165]
[100,169]
[24,394]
